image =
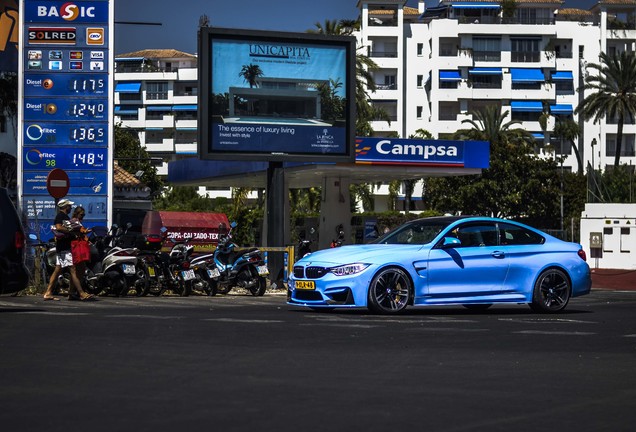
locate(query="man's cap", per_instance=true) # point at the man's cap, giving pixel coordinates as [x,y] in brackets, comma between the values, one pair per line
[63,203]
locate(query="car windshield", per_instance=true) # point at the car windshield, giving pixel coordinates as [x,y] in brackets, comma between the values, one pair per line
[417,232]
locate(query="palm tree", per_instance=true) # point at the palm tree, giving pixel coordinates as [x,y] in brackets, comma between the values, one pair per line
[490,125]
[251,73]
[568,130]
[614,93]
[365,83]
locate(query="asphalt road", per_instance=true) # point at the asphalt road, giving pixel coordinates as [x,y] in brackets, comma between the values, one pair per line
[238,363]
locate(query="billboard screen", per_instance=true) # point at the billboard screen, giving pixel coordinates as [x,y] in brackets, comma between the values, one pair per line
[273,96]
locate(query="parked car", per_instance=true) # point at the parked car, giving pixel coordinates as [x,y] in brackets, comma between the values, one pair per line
[14,275]
[471,261]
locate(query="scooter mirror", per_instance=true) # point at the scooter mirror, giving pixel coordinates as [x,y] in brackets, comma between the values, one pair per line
[33,236]
[233,225]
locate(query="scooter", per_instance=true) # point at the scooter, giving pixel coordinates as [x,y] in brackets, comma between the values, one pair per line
[243,268]
[112,269]
[206,272]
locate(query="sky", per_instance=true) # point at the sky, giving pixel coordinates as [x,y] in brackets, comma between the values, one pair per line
[179,19]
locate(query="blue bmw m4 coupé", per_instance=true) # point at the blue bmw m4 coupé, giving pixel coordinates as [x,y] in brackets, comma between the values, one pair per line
[470,261]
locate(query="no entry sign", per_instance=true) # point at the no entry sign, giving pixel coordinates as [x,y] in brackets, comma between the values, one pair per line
[57,183]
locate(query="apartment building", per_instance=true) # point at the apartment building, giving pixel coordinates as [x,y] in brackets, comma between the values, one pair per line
[439,64]
[156,94]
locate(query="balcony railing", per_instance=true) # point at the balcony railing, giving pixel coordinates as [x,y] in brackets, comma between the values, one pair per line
[391,54]
[487,56]
[386,86]
[525,56]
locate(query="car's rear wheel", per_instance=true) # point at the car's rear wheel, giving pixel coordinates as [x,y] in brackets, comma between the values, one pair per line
[551,292]
[477,306]
[389,291]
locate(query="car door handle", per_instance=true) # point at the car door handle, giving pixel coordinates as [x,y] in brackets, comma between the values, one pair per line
[498,254]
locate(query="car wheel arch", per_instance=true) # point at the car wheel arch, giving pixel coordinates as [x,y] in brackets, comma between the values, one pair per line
[406,272]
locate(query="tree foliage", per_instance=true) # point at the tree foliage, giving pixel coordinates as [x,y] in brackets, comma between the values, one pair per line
[613,87]
[132,157]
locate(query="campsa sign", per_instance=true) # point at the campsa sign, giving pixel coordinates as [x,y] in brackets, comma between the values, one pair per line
[467,154]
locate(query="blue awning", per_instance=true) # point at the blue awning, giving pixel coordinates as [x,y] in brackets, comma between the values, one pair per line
[526,106]
[475,5]
[526,75]
[125,110]
[562,76]
[561,109]
[158,108]
[449,76]
[128,87]
[154,129]
[538,135]
[485,71]
[187,129]
[186,152]
[184,108]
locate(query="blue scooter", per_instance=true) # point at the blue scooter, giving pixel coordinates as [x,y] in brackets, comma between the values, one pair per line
[242,268]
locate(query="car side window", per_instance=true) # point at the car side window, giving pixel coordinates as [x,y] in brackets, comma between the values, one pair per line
[476,235]
[512,235]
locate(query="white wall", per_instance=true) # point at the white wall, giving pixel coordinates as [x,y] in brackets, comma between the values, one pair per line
[616,224]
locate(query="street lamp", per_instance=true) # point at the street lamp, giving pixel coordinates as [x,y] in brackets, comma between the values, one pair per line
[593,145]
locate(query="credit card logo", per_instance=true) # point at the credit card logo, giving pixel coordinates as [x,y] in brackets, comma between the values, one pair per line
[95,36]
[34,65]
[97,66]
[76,65]
[97,55]
[55,55]
[76,55]
[55,65]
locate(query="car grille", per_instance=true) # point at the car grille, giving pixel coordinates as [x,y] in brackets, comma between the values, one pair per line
[310,272]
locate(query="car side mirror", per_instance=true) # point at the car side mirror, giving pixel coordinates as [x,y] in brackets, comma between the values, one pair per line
[450,242]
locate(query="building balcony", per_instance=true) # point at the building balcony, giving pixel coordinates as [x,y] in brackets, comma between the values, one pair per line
[164,145]
[166,122]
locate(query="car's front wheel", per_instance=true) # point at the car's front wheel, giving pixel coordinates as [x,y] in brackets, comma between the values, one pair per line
[389,291]
[551,292]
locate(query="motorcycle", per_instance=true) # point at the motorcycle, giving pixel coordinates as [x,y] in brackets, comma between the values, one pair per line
[112,269]
[304,244]
[149,261]
[206,272]
[337,242]
[176,273]
[243,268]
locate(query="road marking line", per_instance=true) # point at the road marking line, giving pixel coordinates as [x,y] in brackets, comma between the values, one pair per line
[562,333]
[253,321]
[145,316]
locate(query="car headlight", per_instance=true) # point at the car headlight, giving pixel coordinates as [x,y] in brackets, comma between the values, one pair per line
[348,269]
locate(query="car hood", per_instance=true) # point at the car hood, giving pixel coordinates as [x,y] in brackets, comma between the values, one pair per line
[369,253]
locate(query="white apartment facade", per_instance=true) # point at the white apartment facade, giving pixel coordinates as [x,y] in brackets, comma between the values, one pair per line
[156,94]
[439,64]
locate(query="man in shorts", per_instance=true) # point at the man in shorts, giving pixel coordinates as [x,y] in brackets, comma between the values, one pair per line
[64,257]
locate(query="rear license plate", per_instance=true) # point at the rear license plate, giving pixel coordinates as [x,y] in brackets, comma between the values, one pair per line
[128,268]
[188,275]
[262,270]
[214,273]
[305,285]
[151,271]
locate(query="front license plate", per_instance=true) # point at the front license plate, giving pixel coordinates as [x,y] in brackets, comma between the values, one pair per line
[151,271]
[262,270]
[305,285]
[128,268]
[214,273]
[188,275]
